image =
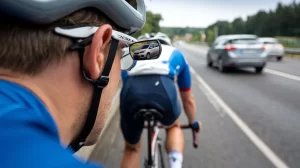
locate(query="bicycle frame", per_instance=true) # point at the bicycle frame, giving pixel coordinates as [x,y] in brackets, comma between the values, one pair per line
[154,144]
[154,141]
[156,148]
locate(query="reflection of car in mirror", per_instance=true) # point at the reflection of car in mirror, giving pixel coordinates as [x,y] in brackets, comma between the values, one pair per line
[147,51]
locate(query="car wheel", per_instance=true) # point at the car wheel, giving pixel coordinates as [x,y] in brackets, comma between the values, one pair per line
[259,69]
[208,62]
[221,67]
[279,58]
[148,56]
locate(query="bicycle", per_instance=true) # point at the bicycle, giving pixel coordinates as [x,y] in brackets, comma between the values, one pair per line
[151,117]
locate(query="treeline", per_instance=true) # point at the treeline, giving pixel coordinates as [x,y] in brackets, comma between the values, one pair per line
[152,26]
[283,21]
[179,31]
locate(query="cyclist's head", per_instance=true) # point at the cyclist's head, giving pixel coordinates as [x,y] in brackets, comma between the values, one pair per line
[31,27]
[75,39]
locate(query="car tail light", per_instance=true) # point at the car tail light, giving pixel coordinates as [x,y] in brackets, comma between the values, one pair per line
[230,48]
[281,46]
[264,47]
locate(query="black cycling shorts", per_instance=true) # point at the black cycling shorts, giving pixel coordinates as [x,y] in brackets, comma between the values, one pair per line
[151,91]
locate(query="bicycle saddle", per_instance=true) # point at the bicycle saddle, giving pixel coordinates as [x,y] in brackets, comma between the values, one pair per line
[148,114]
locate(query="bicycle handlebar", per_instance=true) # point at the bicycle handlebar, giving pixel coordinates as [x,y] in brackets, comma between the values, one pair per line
[194,132]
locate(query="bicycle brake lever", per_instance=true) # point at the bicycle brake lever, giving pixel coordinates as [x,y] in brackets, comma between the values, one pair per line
[195,139]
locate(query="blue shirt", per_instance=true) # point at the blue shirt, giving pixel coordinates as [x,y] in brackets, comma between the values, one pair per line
[170,63]
[28,134]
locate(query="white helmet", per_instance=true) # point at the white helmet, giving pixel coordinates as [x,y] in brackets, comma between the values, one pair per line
[121,12]
[163,38]
[146,36]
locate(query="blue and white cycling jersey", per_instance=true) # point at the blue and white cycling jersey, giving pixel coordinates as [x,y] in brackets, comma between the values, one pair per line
[170,63]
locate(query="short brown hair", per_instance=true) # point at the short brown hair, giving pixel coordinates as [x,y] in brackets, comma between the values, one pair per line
[28,49]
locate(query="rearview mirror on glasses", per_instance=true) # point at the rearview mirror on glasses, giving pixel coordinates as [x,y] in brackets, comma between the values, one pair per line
[145,50]
[127,62]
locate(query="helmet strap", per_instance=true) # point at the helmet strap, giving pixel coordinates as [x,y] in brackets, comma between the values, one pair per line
[99,84]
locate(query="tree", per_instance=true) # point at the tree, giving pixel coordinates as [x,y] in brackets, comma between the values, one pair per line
[196,36]
[210,35]
[238,26]
[156,18]
[260,27]
[151,25]
[283,21]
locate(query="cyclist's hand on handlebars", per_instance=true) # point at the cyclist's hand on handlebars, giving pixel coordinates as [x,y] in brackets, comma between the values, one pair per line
[196,126]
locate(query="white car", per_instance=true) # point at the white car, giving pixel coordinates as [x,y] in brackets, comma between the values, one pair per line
[146,51]
[273,47]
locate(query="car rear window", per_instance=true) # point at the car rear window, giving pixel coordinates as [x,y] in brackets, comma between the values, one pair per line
[270,42]
[244,41]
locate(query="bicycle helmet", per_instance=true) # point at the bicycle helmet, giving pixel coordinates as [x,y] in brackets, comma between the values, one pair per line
[163,38]
[44,12]
[143,37]
[49,11]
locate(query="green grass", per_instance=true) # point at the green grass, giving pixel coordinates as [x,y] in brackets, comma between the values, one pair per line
[289,42]
[290,46]
[293,55]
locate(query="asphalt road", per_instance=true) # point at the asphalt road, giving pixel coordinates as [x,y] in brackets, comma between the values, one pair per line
[266,104]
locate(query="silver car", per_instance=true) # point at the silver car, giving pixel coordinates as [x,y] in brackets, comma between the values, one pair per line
[147,50]
[237,51]
[273,47]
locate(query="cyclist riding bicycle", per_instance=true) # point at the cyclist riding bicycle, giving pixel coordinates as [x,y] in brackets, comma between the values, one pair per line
[56,60]
[151,84]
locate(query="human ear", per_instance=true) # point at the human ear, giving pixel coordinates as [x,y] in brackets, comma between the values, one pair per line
[94,58]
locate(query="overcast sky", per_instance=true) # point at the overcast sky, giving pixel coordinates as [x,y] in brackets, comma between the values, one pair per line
[202,13]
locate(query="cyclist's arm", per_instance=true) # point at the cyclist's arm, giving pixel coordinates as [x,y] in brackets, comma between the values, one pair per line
[188,101]
[189,105]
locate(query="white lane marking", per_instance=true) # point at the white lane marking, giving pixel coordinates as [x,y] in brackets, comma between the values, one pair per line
[282,74]
[277,162]
[211,100]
